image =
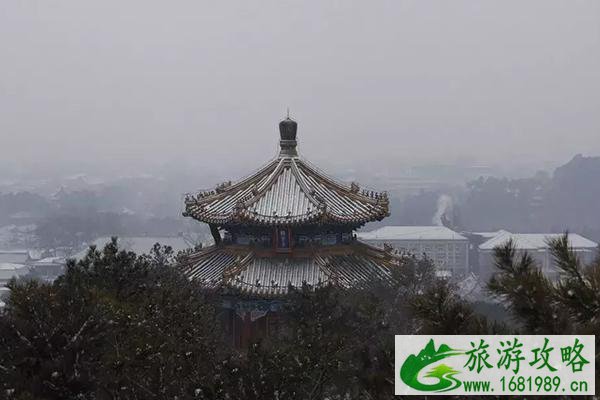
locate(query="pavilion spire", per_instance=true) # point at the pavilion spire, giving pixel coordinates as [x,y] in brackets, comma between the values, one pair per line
[287,132]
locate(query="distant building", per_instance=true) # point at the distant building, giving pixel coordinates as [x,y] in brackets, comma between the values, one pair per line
[449,250]
[535,244]
[47,269]
[488,235]
[475,240]
[9,271]
[13,256]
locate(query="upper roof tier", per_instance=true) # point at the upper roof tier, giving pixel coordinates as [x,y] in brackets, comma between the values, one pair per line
[287,191]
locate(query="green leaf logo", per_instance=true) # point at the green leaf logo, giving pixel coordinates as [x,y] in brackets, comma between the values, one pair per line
[409,372]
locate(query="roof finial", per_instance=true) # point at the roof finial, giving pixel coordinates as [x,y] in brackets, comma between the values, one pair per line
[287,132]
[288,113]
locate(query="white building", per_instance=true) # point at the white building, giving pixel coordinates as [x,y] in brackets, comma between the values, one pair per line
[536,245]
[9,271]
[48,268]
[448,250]
[13,256]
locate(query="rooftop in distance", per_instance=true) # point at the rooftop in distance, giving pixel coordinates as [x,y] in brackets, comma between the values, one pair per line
[535,241]
[433,232]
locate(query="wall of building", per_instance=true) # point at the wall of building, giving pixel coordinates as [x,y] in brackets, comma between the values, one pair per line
[542,257]
[451,256]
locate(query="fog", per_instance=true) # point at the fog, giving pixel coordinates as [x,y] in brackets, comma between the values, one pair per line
[468,131]
[127,86]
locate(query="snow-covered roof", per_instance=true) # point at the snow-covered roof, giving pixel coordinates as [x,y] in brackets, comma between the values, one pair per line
[50,260]
[535,241]
[411,233]
[266,276]
[11,266]
[139,245]
[287,191]
[490,235]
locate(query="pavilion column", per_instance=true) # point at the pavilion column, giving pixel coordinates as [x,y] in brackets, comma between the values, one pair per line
[214,231]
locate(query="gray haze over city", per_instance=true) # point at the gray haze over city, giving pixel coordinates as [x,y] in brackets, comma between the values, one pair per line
[93,87]
[110,111]
[240,199]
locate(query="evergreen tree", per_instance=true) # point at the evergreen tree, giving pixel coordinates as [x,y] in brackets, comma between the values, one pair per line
[115,325]
[569,305]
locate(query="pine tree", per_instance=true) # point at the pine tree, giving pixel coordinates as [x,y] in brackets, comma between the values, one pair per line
[569,305]
[115,325]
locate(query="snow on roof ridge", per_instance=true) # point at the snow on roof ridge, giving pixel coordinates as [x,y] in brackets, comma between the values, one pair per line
[412,232]
[536,240]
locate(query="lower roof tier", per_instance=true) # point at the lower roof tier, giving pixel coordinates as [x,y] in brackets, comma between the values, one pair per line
[251,273]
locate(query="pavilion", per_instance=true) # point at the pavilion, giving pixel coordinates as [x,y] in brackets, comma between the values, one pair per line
[284,226]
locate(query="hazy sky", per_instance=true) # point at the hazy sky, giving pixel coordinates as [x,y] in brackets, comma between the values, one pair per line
[123,82]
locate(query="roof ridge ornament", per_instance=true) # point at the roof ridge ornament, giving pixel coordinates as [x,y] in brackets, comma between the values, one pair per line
[223,186]
[287,132]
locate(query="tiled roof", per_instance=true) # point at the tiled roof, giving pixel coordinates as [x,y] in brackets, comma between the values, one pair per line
[287,191]
[269,275]
[272,276]
[411,233]
[209,266]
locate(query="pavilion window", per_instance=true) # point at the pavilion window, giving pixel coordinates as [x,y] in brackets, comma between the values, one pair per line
[283,239]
